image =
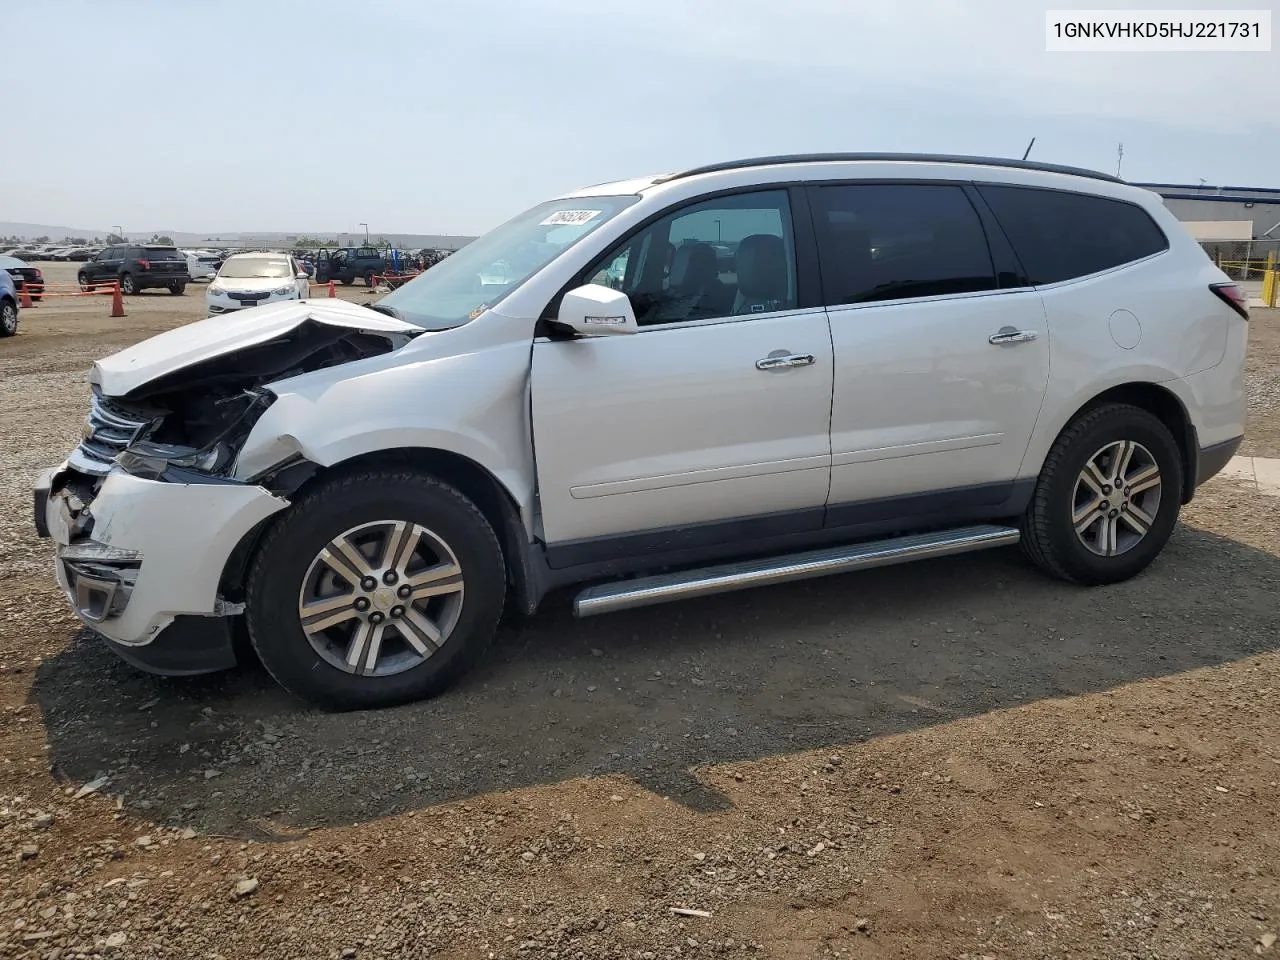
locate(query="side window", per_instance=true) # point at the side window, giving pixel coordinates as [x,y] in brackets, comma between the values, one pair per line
[613,273]
[893,241]
[1060,235]
[729,257]
[339,257]
[106,254]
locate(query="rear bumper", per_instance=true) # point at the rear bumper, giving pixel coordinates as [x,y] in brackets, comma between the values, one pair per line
[1212,459]
[144,281]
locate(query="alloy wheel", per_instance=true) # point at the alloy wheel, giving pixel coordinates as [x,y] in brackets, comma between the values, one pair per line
[381,598]
[1117,498]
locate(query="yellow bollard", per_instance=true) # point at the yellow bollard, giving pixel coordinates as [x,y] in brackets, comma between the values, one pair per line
[1271,281]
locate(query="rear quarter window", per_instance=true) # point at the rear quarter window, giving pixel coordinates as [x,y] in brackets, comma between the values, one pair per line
[1060,235]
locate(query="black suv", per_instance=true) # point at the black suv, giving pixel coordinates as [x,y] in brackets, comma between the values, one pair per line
[137,267]
[347,263]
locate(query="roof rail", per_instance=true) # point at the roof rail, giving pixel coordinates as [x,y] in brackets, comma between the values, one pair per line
[891,157]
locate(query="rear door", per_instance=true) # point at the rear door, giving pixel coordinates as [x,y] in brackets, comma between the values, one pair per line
[941,352]
[709,424]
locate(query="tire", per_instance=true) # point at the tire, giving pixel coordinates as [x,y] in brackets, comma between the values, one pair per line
[178,289]
[8,318]
[85,285]
[288,569]
[127,285]
[348,281]
[368,278]
[1063,494]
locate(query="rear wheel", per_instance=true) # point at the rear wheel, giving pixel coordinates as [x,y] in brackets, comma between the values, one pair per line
[8,318]
[368,278]
[375,589]
[1107,498]
[127,285]
[178,289]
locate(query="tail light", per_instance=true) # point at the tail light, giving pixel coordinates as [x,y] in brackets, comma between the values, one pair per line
[39,275]
[145,264]
[1230,294]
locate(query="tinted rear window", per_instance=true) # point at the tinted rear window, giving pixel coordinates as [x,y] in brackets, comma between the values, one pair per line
[892,241]
[1060,235]
[163,253]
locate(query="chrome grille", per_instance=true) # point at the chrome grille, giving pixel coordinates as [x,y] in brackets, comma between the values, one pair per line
[107,431]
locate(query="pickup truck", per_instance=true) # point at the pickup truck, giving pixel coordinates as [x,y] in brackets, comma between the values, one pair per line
[345,264]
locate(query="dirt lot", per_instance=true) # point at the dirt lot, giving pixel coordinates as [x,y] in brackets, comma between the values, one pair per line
[957,759]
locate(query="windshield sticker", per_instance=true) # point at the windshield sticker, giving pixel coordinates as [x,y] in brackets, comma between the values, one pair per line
[571,217]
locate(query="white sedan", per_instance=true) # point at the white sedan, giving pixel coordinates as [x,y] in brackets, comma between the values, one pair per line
[250,279]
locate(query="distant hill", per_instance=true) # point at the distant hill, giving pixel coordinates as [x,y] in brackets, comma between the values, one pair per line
[29,231]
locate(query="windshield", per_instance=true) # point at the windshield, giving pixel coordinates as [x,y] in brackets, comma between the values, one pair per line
[486,270]
[244,268]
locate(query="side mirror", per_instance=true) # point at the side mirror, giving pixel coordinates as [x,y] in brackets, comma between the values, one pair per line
[302,275]
[596,311]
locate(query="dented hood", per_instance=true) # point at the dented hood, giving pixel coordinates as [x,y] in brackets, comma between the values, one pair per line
[195,343]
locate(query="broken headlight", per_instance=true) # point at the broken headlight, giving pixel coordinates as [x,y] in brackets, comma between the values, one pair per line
[151,460]
[199,434]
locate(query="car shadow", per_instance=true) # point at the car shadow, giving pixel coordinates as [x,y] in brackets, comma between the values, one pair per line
[652,694]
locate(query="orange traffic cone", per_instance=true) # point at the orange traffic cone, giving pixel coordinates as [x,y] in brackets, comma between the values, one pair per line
[332,292]
[117,302]
[24,298]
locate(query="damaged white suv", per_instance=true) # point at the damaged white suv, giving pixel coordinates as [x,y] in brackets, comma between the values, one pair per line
[742,374]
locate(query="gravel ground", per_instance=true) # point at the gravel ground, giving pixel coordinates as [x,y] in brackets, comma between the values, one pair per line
[955,759]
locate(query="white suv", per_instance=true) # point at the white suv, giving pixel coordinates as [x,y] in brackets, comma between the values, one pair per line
[742,374]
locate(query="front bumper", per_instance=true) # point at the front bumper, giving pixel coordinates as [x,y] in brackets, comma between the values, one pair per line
[220,303]
[140,561]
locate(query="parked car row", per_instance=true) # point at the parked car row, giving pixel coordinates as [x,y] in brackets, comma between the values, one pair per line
[47,251]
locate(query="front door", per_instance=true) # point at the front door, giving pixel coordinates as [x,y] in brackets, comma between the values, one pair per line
[709,424]
[941,354]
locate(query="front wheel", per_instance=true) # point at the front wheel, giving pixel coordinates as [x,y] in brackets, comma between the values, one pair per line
[377,588]
[85,285]
[127,285]
[1107,498]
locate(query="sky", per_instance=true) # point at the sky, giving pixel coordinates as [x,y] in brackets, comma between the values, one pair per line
[450,116]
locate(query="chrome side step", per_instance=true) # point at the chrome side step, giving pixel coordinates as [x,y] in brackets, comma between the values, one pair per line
[646,591]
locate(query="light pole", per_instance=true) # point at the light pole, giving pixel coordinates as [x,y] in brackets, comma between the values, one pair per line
[366,233]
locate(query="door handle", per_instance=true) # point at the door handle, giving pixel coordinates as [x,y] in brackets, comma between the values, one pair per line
[1012,335]
[784,361]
